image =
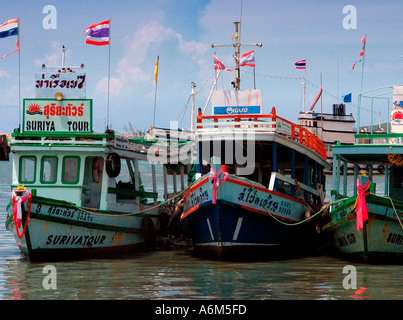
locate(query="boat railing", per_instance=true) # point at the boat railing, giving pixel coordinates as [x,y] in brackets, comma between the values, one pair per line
[379,138]
[258,124]
[100,139]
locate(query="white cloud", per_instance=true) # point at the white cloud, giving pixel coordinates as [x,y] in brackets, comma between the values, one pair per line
[4,73]
[54,58]
[129,71]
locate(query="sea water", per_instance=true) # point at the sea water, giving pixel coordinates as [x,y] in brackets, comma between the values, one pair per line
[179,274]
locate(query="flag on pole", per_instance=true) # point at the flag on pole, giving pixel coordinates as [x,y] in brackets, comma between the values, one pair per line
[247,59]
[316,99]
[156,70]
[98,33]
[219,65]
[8,29]
[363,40]
[346,98]
[301,64]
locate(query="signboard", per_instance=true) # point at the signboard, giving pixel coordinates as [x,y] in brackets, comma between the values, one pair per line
[396,121]
[71,85]
[53,116]
[283,127]
[396,115]
[237,102]
[237,110]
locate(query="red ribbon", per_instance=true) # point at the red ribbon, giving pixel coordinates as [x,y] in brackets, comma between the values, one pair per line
[361,205]
[17,202]
[221,176]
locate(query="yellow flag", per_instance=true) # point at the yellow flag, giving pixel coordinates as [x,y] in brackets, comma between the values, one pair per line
[156,69]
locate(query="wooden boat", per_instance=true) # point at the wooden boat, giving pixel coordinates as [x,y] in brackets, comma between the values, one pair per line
[330,127]
[367,224]
[77,193]
[255,204]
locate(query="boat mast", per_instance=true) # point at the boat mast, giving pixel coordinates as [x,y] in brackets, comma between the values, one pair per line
[237,45]
[192,111]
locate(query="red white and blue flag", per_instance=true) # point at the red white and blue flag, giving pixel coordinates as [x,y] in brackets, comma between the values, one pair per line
[8,29]
[247,59]
[301,64]
[219,65]
[98,33]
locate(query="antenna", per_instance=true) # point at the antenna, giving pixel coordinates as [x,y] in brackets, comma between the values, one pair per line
[237,45]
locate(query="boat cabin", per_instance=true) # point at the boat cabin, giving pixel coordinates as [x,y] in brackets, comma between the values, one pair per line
[264,148]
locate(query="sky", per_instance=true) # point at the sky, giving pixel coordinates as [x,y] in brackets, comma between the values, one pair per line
[181,32]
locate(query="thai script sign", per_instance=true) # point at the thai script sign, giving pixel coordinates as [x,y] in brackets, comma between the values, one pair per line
[283,127]
[49,115]
[71,85]
[237,110]
[237,102]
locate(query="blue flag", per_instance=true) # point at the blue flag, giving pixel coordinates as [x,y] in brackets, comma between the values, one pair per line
[347,98]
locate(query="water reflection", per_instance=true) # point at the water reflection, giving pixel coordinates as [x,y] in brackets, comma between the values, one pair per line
[181,275]
[177,275]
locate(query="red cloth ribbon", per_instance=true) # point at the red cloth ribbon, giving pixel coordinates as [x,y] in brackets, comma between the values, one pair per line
[17,201]
[216,179]
[361,205]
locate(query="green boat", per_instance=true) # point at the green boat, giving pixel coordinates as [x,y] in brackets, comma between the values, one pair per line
[368,224]
[77,193]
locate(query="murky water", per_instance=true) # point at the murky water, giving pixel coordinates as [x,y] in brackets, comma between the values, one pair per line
[179,274]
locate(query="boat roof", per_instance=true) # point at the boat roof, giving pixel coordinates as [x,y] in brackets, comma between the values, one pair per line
[371,148]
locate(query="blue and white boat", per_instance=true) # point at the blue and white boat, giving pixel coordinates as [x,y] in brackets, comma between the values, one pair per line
[261,202]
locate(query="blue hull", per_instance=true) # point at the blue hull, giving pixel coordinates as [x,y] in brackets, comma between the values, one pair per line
[229,230]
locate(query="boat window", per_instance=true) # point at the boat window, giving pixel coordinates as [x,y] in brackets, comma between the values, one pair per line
[27,172]
[49,169]
[71,167]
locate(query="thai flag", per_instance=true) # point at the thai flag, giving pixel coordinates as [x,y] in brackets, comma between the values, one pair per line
[247,59]
[219,65]
[301,64]
[9,28]
[98,33]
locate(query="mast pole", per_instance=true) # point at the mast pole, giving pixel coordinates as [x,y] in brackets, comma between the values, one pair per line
[192,111]
[19,76]
[237,45]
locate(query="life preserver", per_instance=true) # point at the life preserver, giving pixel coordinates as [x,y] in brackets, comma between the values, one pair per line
[112,165]
[97,169]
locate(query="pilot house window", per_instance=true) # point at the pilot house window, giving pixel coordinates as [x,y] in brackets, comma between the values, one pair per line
[27,172]
[49,169]
[71,167]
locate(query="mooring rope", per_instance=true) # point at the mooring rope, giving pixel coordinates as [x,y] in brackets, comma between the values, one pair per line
[296,223]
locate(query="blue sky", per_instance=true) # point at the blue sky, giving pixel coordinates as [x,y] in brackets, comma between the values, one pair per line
[181,32]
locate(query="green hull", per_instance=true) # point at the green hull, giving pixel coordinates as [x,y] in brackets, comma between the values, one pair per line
[381,237]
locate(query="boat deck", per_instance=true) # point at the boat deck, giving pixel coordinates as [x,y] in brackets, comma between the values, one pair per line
[262,127]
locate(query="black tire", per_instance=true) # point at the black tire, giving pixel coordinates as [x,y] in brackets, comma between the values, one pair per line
[112,165]
[148,231]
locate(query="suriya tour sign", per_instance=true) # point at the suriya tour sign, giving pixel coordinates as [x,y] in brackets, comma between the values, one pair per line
[50,115]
